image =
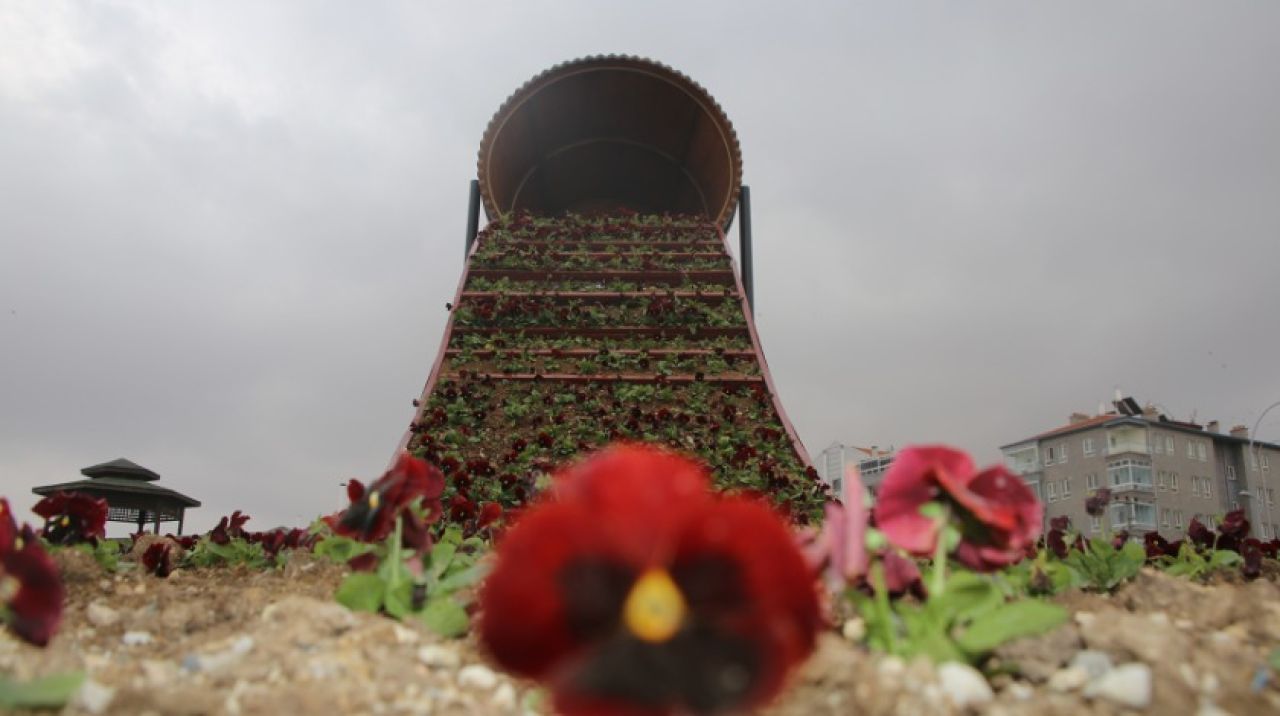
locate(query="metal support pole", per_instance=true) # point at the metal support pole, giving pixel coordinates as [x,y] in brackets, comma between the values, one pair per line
[473,215]
[744,245]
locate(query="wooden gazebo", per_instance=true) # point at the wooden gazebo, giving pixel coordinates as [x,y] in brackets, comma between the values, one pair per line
[130,496]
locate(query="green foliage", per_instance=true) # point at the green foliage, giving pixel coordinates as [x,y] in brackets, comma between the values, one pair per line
[238,551]
[1194,565]
[965,622]
[434,597]
[340,549]
[49,692]
[1102,567]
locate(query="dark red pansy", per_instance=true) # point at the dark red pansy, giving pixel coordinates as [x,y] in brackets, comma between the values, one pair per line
[372,513]
[8,527]
[633,589]
[998,516]
[229,528]
[72,517]
[1155,545]
[1234,525]
[1251,551]
[1200,534]
[30,589]
[1096,504]
[1061,523]
[1057,543]
[1119,539]
[158,559]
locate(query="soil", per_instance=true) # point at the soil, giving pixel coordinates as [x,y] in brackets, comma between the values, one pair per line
[237,641]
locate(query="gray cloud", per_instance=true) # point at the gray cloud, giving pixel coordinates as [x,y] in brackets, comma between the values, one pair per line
[227,232]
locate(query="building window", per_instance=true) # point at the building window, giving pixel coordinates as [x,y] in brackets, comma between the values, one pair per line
[1195,486]
[1091,481]
[1062,452]
[1095,524]
[1231,472]
[1253,460]
[1157,444]
[1140,514]
[1206,487]
[1066,487]
[1168,444]
[1191,449]
[1048,456]
[1173,481]
[1129,473]
[1202,452]
[1053,490]
[1164,517]
[1162,479]
[1177,518]
[1265,464]
[1089,450]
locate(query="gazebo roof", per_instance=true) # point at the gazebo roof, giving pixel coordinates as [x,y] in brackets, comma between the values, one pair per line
[121,478]
[120,468]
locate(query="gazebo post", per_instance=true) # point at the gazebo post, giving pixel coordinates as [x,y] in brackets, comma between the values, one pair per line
[181,513]
[157,528]
[142,521]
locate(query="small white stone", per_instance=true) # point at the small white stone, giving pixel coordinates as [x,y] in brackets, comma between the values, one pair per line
[101,615]
[1159,618]
[439,656]
[136,638]
[1209,683]
[504,697]
[854,629]
[477,676]
[1184,624]
[94,697]
[1094,663]
[1208,708]
[1019,691]
[1084,619]
[404,635]
[1068,679]
[964,685]
[891,666]
[1126,685]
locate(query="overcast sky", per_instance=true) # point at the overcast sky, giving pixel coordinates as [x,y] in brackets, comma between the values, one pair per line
[228,230]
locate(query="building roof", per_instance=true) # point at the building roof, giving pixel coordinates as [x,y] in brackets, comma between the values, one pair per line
[1116,418]
[107,486]
[120,468]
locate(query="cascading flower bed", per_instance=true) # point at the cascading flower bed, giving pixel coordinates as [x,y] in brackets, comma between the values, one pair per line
[572,332]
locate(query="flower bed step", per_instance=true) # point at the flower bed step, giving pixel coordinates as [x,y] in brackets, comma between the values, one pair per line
[710,245]
[733,378]
[588,352]
[608,332]
[601,296]
[602,255]
[718,276]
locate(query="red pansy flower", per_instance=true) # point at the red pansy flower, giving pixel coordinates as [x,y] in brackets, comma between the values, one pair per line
[1200,534]
[30,588]
[997,514]
[229,528]
[158,559]
[634,589]
[1096,504]
[72,517]
[371,516]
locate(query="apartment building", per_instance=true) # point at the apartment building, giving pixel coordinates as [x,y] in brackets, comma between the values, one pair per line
[1161,472]
[871,463]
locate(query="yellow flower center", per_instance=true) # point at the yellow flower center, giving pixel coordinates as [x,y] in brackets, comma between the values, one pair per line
[65,521]
[373,499]
[9,587]
[655,607]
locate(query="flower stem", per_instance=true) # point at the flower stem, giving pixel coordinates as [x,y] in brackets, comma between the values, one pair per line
[394,576]
[883,610]
[938,578]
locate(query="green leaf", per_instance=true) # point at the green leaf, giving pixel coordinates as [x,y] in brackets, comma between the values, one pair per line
[967,596]
[463,578]
[398,599]
[445,617]
[48,692]
[1010,621]
[341,549]
[361,592]
[1224,558]
[441,556]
